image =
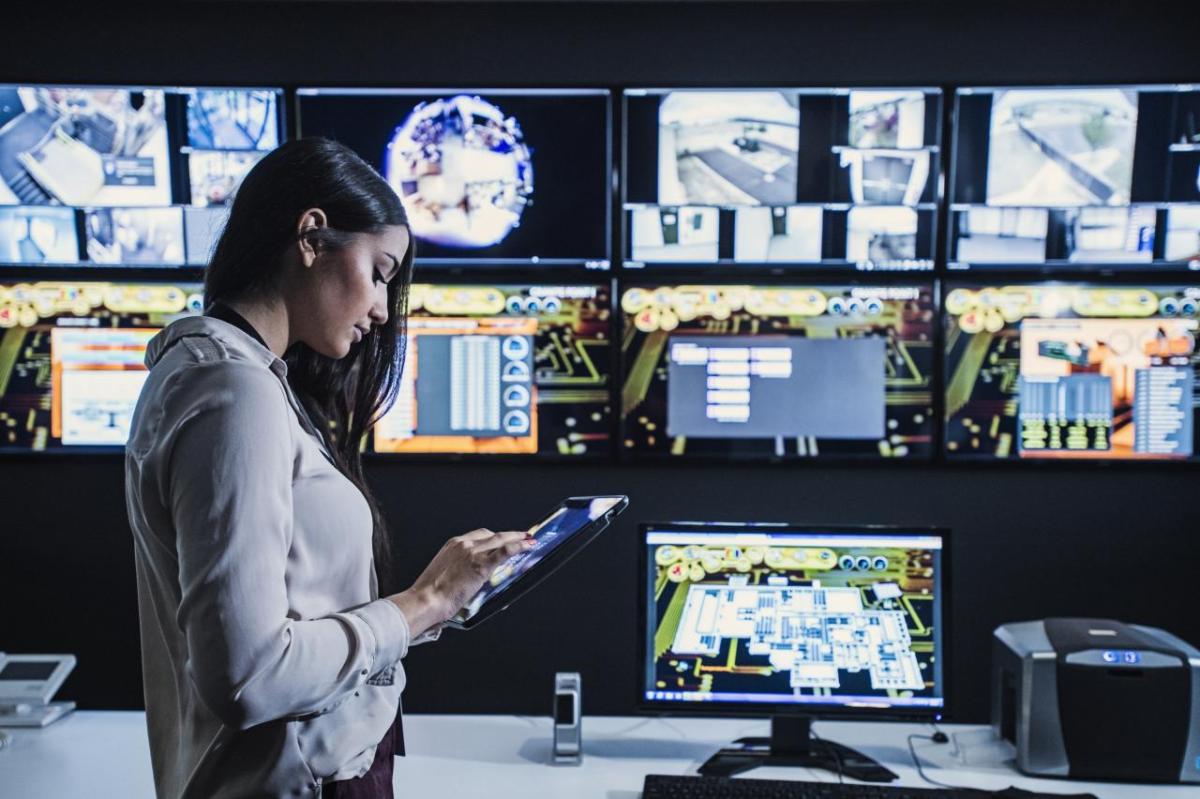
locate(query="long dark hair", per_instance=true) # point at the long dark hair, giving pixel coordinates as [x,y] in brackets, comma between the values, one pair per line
[345,397]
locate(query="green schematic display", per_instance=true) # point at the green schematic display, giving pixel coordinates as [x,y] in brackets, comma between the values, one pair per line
[783,617]
[778,371]
[503,370]
[1053,370]
[72,358]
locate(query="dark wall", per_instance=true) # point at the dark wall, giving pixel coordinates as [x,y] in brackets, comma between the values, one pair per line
[1030,541]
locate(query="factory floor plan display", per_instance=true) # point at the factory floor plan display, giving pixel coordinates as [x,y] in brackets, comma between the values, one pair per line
[814,634]
[792,619]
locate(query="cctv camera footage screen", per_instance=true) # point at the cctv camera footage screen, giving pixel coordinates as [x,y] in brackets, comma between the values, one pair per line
[488,178]
[125,176]
[760,179]
[1097,178]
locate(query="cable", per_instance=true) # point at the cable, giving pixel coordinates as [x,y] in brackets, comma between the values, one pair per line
[837,756]
[921,770]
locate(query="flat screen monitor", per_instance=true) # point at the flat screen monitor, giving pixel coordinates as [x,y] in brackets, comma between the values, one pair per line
[490,178]
[1084,178]
[499,369]
[1071,371]
[125,176]
[72,359]
[778,371]
[753,619]
[766,179]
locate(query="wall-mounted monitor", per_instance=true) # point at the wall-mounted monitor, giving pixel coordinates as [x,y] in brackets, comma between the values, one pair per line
[496,177]
[72,359]
[778,371]
[1091,178]
[765,179]
[125,176]
[1078,371]
[498,369]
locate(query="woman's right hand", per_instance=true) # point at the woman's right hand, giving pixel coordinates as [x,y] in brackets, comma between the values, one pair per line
[456,574]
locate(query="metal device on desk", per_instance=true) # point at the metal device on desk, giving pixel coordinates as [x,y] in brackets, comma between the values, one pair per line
[568,722]
[1098,699]
[27,683]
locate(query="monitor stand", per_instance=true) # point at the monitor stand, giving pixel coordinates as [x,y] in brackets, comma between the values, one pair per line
[792,744]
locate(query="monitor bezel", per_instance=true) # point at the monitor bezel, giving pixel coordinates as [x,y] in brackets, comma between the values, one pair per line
[759,710]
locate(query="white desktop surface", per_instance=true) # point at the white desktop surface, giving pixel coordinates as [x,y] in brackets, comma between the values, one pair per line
[105,753]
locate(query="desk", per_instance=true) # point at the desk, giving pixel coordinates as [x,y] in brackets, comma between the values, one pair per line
[105,753]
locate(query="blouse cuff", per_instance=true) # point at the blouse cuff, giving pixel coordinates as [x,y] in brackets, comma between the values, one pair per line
[430,635]
[390,629]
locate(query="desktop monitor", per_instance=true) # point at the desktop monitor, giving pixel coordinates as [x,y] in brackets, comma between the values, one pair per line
[778,371]
[490,178]
[1081,178]
[501,369]
[787,620]
[122,175]
[1071,371]
[764,179]
[72,359]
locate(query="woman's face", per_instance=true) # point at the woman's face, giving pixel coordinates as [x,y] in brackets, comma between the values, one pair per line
[344,291]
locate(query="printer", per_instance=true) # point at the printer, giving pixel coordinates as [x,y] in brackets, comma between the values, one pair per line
[1097,699]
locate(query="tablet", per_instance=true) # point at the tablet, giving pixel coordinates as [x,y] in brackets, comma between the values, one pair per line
[559,535]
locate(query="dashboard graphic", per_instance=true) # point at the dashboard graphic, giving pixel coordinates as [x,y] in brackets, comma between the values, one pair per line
[71,358]
[503,370]
[784,371]
[1072,371]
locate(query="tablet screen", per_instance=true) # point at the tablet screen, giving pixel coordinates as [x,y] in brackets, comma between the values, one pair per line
[568,519]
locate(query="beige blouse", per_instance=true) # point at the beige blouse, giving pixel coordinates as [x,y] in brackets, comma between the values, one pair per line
[270,665]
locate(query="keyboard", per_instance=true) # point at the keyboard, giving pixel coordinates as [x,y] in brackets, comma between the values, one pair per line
[670,787]
[664,787]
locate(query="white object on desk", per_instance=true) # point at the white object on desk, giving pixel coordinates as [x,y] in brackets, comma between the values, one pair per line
[95,753]
[27,683]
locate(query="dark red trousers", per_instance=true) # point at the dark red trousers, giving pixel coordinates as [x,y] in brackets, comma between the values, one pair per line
[377,782]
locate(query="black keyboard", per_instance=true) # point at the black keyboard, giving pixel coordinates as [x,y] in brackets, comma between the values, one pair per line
[664,787]
[659,786]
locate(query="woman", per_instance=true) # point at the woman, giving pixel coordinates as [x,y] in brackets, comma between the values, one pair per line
[271,665]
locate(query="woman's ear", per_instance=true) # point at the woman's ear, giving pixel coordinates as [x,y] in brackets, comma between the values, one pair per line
[311,221]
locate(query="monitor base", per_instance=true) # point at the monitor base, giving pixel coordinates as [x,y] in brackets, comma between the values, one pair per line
[792,744]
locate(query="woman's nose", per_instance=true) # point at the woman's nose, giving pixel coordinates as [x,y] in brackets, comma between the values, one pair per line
[379,309]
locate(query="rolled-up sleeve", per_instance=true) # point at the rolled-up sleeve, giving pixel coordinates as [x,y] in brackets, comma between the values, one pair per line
[229,470]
